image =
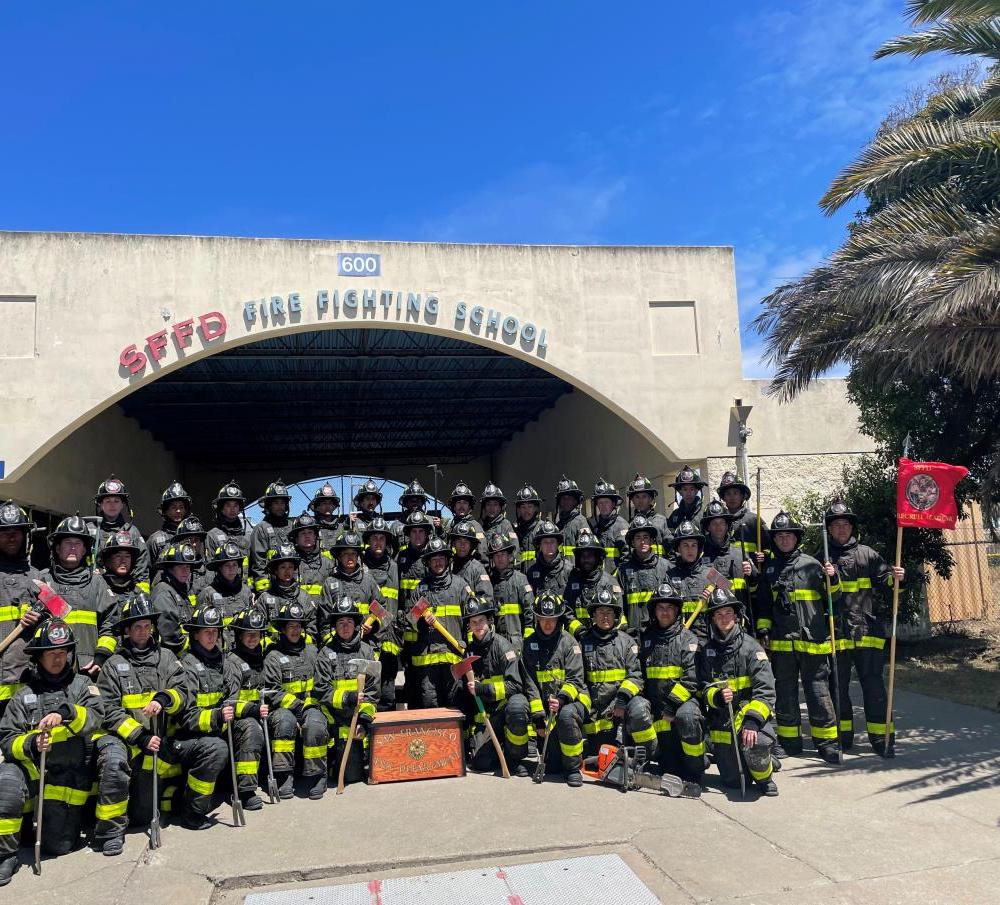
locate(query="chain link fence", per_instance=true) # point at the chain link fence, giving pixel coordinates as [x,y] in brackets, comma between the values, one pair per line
[972,594]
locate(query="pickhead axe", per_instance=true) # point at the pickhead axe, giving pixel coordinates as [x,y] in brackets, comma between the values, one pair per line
[463,670]
[419,611]
[366,669]
[715,580]
[376,613]
[48,602]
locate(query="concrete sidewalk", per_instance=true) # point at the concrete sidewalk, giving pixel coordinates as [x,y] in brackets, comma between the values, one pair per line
[922,828]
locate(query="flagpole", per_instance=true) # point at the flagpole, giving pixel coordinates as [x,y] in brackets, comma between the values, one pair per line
[892,639]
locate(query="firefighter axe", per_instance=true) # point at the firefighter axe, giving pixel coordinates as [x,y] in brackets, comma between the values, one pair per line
[49,602]
[376,613]
[366,669]
[419,611]
[463,670]
[715,580]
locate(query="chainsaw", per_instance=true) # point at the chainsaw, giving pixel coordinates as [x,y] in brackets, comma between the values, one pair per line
[624,768]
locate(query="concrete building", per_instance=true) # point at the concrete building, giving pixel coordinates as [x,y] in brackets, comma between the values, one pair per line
[203,359]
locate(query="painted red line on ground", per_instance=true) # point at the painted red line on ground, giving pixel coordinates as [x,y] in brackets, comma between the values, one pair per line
[375,888]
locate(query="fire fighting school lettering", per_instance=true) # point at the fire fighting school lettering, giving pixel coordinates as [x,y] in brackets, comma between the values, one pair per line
[387,305]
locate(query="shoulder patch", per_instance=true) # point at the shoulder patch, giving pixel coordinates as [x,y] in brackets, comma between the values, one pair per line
[30,698]
[635,648]
[693,646]
[576,648]
[330,654]
[244,666]
[282,659]
[122,666]
[511,655]
[529,589]
[532,645]
[761,655]
[710,652]
[199,666]
[647,643]
[93,689]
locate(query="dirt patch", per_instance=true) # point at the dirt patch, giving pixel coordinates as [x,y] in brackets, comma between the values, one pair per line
[958,663]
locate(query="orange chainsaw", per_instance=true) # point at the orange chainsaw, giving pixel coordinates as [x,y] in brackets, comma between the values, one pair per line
[623,767]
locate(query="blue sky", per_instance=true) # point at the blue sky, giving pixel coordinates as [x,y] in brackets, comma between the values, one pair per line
[646,123]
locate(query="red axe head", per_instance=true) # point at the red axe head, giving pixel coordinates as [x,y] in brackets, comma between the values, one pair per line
[51,600]
[458,670]
[419,608]
[716,578]
[378,611]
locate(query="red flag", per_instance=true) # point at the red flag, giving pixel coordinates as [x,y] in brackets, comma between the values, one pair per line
[925,494]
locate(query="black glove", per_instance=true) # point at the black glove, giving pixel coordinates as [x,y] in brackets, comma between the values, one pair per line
[350,700]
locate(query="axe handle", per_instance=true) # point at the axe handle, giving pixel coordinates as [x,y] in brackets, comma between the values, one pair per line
[350,736]
[694,615]
[444,633]
[12,637]
[493,738]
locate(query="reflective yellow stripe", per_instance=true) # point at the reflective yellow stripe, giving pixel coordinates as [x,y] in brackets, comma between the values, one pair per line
[432,659]
[738,584]
[143,586]
[761,775]
[247,767]
[10,826]
[852,587]
[606,675]
[208,698]
[805,594]
[569,690]
[283,745]
[70,796]
[550,675]
[566,549]
[871,642]
[847,725]
[610,551]
[13,613]
[515,739]
[644,735]
[721,737]
[8,691]
[137,701]
[389,593]
[598,726]
[205,720]
[693,750]
[115,809]
[784,647]
[535,706]
[664,672]
[127,727]
[812,647]
[446,610]
[661,726]
[313,590]
[200,786]
[310,752]
[585,700]
[108,643]
[499,689]
[764,625]
[298,686]
[528,555]
[758,707]
[390,647]
[637,597]
[175,700]
[248,695]
[80,617]
[574,750]
[821,732]
[510,609]
[789,731]
[879,728]
[76,724]
[680,692]
[408,584]
[629,685]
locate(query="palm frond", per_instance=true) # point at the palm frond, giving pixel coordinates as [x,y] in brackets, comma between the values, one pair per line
[966,37]
[921,11]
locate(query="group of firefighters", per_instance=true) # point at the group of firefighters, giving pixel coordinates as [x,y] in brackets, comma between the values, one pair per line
[685,634]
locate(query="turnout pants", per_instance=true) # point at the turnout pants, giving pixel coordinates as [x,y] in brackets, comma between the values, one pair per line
[248,746]
[432,685]
[869,662]
[565,751]
[510,723]
[680,743]
[284,726]
[66,794]
[204,758]
[638,728]
[756,758]
[387,692]
[815,672]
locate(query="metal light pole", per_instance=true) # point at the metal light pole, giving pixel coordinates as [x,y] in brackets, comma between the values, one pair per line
[740,413]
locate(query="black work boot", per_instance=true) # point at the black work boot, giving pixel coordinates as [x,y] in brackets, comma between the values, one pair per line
[318,789]
[574,779]
[8,867]
[767,787]
[250,801]
[113,846]
[194,821]
[830,754]
[286,784]
[521,769]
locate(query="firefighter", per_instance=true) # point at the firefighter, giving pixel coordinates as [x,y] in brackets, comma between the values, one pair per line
[377,559]
[191,531]
[429,681]
[410,563]
[640,573]
[721,554]
[243,681]
[199,744]
[585,581]
[284,587]
[323,505]
[549,570]
[607,524]
[554,686]
[642,501]
[73,578]
[172,597]
[614,679]
[112,505]
[231,524]
[142,685]
[314,567]
[228,592]
[734,672]
[570,519]
[117,561]
[495,679]
[528,516]
[175,506]
[667,652]
[866,581]
[736,495]
[337,687]
[270,532]
[18,596]
[460,502]
[514,597]
[350,577]
[493,512]
[288,681]
[688,488]
[367,501]
[56,711]
[792,604]
[465,560]
[413,499]
[691,571]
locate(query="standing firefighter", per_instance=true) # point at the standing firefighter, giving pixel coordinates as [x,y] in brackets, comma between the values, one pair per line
[614,679]
[228,591]
[528,514]
[350,577]
[314,565]
[793,617]
[735,494]
[337,686]
[289,677]
[231,525]
[549,570]
[667,651]
[690,573]
[175,506]
[496,680]
[460,502]
[688,487]
[367,501]
[200,745]
[191,531]
[413,499]
[586,580]
[284,587]
[493,511]
[570,519]
[640,573]
[117,564]
[18,596]
[112,505]
[324,504]
[607,524]
[555,685]
[56,712]
[243,681]
[865,582]
[172,597]
[737,686]
[513,595]
[377,559]
[141,685]
[270,532]
[466,562]
[721,554]
[642,501]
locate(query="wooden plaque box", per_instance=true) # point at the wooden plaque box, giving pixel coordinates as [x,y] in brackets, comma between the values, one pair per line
[416,744]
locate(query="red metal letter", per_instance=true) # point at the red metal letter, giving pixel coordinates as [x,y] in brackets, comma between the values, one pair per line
[212,325]
[183,330]
[132,359]
[157,344]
